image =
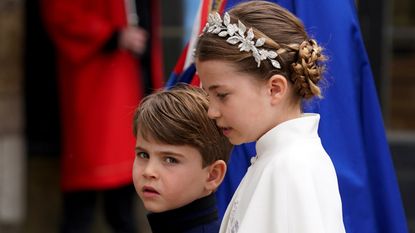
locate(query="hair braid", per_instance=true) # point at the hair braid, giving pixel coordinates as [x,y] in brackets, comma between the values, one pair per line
[300,58]
[307,70]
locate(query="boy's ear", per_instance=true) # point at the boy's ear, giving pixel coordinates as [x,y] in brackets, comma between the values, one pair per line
[277,86]
[216,173]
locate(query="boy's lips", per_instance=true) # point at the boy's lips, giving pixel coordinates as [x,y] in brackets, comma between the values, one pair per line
[149,192]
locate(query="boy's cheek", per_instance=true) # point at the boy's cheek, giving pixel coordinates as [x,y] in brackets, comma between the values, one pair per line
[136,174]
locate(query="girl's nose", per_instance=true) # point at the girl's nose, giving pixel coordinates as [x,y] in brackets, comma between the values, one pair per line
[213,112]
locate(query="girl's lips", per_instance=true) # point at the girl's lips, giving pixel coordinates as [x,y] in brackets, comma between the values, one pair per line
[226,131]
[149,192]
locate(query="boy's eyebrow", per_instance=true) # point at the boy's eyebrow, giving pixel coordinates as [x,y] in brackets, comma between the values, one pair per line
[163,152]
[137,148]
[167,152]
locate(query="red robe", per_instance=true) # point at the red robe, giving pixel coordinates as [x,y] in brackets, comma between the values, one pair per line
[98,92]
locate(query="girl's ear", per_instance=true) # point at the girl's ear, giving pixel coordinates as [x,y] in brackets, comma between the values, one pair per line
[277,86]
[216,173]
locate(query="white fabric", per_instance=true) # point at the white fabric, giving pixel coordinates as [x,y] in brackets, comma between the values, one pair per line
[131,12]
[193,38]
[291,187]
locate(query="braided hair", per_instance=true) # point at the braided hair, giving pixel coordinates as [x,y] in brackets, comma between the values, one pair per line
[301,58]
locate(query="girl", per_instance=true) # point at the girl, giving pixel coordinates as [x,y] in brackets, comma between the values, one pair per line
[257,64]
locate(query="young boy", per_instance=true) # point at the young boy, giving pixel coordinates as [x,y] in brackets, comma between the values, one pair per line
[180,160]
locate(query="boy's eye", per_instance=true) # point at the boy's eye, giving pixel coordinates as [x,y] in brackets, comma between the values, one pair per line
[171,160]
[143,155]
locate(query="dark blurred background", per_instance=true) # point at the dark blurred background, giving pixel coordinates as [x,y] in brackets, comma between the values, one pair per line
[29,124]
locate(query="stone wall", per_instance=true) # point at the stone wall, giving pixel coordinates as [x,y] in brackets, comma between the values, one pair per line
[12,146]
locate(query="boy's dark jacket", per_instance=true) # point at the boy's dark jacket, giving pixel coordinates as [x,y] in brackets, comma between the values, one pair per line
[197,217]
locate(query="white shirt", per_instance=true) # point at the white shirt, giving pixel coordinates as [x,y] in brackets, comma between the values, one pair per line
[291,186]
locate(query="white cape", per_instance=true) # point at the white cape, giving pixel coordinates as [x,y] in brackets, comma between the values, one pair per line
[291,186]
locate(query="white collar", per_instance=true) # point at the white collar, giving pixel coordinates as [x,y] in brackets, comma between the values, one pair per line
[305,126]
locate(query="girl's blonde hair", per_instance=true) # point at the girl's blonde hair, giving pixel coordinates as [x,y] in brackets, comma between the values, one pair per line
[300,57]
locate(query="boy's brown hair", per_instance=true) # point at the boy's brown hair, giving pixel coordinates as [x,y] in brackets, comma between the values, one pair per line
[179,117]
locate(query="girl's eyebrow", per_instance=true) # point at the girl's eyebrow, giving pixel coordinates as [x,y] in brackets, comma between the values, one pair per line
[213,87]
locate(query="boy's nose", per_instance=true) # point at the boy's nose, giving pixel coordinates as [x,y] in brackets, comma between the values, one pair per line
[150,171]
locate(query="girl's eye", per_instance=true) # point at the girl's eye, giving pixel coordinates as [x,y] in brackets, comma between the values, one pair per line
[221,95]
[171,160]
[143,155]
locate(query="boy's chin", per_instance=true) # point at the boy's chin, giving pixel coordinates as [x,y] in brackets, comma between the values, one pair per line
[153,209]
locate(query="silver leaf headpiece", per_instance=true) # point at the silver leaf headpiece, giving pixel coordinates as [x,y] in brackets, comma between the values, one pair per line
[236,34]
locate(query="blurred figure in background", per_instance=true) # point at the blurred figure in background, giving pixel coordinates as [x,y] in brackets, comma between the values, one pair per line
[108,52]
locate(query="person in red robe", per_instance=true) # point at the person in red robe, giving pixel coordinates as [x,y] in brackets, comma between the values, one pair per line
[108,58]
